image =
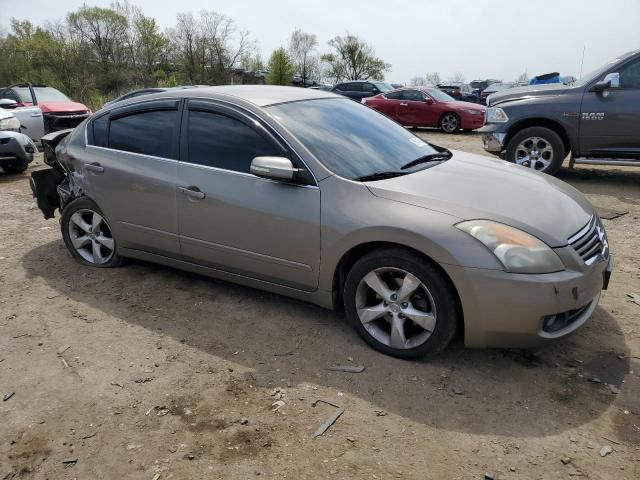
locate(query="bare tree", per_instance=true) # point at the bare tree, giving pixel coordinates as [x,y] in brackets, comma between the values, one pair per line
[301,51]
[353,59]
[432,78]
[457,77]
[523,77]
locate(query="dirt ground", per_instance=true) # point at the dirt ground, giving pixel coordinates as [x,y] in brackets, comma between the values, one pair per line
[145,372]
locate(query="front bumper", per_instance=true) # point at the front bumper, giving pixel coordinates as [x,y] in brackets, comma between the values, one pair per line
[509,310]
[472,122]
[16,149]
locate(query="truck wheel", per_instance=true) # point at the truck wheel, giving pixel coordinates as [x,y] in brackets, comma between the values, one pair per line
[538,148]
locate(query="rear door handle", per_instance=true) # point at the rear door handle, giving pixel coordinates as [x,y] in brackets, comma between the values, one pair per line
[193,192]
[94,167]
[404,104]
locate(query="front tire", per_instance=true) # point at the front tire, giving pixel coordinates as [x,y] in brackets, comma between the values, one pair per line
[450,122]
[538,148]
[400,304]
[87,234]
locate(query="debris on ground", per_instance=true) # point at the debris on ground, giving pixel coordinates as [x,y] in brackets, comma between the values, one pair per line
[315,402]
[347,368]
[613,389]
[63,349]
[156,476]
[566,460]
[328,422]
[244,421]
[143,379]
[458,390]
[8,396]
[189,456]
[595,380]
[380,413]
[277,405]
[69,461]
[606,450]
[635,298]
[609,214]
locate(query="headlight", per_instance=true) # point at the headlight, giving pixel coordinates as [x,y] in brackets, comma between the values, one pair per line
[11,123]
[518,251]
[496,115]
[473,112]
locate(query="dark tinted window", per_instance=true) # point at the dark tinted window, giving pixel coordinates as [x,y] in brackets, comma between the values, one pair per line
[394,95]
[99,126]
[219,141]
[630,75]
[8,93]
[413,95]
[350,139]
[351,87]
[368,87]
[149,133]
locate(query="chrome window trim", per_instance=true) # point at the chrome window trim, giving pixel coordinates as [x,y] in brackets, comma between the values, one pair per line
[132,153]
[212,100]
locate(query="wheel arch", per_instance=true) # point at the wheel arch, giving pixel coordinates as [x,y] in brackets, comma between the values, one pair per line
[540,122]
[351,256]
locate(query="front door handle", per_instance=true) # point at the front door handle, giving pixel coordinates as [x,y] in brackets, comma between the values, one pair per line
[193,192]
[94,167]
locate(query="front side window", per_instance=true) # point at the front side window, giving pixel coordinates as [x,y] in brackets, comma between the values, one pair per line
[12,95]
[413,96]
[350,139]
[353,87]
[220,141]
[397,95]
[439,95]
[630,75]
[100,129]
[368,87]
[148,133]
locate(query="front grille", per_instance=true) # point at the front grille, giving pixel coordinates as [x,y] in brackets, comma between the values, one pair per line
[590,242]
[560,321]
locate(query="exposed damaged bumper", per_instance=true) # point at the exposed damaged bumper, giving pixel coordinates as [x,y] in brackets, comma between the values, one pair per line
[55,122]
[16,149]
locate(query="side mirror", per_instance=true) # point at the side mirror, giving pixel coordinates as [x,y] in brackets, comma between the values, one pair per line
[611,80]
[429,101]
[8,103]
[275,168]
[375,91]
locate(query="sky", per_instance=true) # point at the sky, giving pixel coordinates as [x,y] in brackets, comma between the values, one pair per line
[481,39]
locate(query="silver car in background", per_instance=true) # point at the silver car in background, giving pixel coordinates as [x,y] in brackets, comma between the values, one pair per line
[308,194]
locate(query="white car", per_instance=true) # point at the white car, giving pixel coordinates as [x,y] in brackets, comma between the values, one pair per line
[16,149]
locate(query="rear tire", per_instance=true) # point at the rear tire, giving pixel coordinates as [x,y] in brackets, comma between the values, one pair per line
[538,148]
[420,315]
[87,235]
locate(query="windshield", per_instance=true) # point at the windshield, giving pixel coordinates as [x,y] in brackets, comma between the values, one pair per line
[383,87]
[439,95]
[595,73]
[348,138]
[43,94]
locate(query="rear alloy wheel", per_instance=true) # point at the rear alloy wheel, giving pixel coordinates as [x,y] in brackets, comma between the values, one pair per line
[400,304]
[450,123]
[537,148]
[87,234]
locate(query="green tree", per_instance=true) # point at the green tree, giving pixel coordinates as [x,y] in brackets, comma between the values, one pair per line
[353,59]
[301,51]
[280,68]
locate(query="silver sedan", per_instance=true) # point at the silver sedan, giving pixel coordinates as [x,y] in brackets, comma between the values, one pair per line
[308,194]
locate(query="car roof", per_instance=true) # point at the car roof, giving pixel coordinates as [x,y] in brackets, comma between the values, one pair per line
[258,95]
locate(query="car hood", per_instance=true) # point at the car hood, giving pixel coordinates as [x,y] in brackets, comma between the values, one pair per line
[518,93]
[62,107]
[465,106]
[4,114]
[475,187]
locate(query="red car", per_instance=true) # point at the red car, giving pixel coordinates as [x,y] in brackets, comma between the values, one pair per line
[59,111]
[427,107]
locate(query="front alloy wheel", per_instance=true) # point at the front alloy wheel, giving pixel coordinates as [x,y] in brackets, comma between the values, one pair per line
[535,153]
[395,307]
[450,123]
[401,303]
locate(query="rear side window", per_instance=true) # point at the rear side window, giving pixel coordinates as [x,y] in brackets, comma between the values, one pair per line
[368,87]
[220,141]
[352,87]
[100,128]
[148,133]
